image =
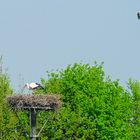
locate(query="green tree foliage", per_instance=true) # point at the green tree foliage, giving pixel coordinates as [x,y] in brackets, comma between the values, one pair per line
[135,120]
[94,107]
[4,112]
[10,128]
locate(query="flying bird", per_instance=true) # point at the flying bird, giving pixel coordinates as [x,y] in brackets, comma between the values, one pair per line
[138,15]
[33,86]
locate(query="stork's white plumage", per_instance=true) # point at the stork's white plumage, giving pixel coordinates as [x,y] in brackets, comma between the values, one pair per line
[33,86]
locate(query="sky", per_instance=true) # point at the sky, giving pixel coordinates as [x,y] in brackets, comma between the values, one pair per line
[36,36]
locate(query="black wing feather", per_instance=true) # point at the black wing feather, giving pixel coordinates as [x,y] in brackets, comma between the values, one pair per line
[39,86]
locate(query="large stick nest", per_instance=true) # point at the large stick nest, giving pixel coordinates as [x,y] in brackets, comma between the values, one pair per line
[29,101]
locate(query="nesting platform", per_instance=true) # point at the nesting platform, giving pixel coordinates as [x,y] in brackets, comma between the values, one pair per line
[33,103]
[37,102]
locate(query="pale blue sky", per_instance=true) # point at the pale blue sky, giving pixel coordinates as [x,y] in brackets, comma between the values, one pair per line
[36,36]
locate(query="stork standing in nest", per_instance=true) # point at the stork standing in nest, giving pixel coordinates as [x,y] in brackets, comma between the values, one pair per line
[33,86]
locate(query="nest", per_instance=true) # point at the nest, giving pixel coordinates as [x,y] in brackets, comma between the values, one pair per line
[38,102]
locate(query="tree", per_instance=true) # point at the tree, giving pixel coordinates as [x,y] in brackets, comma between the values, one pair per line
[134,86]
[94,107]
[9,123]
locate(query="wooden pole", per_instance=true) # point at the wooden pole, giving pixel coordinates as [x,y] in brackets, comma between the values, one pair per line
[32,124]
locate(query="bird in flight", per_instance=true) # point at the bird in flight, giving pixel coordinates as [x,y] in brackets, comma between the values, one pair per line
[138,15]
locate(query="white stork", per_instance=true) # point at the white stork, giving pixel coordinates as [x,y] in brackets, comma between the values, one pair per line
[33,86]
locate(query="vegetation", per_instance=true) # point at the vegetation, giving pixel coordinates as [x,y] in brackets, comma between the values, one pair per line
[94,107]
[10,127]
[6,117]
[135,107]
